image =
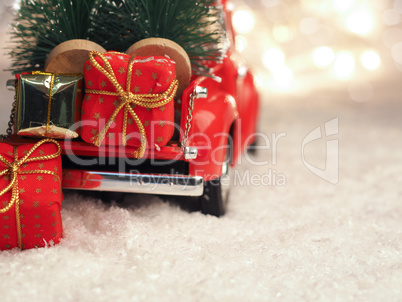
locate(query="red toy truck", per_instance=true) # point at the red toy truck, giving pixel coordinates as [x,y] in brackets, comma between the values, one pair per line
[216,117]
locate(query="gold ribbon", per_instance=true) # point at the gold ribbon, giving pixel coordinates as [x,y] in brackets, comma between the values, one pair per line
[49,102]
[13,169]
[127,98]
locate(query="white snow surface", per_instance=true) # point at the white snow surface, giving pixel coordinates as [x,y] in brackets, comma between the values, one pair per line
[303,241]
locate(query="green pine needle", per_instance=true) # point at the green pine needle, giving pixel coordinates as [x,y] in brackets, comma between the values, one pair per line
[43,24]
[195,25]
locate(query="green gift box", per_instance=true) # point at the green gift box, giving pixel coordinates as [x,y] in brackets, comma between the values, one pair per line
[48,105]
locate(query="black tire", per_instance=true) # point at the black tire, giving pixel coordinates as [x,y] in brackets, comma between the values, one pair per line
[212,202]
[216,192]
[252,148]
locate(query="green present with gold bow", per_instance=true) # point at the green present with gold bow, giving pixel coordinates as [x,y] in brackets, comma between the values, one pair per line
[48,105]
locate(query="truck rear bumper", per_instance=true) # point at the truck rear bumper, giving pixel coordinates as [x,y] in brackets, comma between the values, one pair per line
[159,184]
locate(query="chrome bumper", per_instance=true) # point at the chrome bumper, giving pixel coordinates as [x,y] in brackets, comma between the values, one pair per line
[159,184]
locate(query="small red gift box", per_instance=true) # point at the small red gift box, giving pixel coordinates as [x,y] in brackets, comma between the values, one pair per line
[30,196]
[129,100]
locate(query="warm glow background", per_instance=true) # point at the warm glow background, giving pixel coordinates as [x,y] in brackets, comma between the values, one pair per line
[302,46]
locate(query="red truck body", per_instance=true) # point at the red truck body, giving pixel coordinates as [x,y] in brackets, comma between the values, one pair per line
[224,117]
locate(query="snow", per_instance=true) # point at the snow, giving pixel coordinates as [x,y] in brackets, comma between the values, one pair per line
[300,239]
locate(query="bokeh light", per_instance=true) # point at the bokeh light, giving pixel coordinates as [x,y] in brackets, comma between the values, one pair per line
[344,65]
[274,59]
[259,79]
[315,44]
[323,56]
[343,5]
[360,22]
[16,5]
[282,33]
[370,60]
[241,43]
[283,77]
[243,21]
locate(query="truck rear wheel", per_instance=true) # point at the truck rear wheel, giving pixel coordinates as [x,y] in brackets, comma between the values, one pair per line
[216,192]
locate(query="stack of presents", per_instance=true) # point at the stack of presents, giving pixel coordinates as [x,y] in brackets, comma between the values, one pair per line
[109,103]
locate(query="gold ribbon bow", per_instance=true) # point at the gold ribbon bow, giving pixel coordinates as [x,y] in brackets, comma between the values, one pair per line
[127,98]
[13,169]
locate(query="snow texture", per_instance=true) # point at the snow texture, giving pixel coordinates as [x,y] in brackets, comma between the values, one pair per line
[302,241]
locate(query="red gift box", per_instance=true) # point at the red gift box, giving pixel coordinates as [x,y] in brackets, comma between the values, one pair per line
[129,100]
[30,196]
